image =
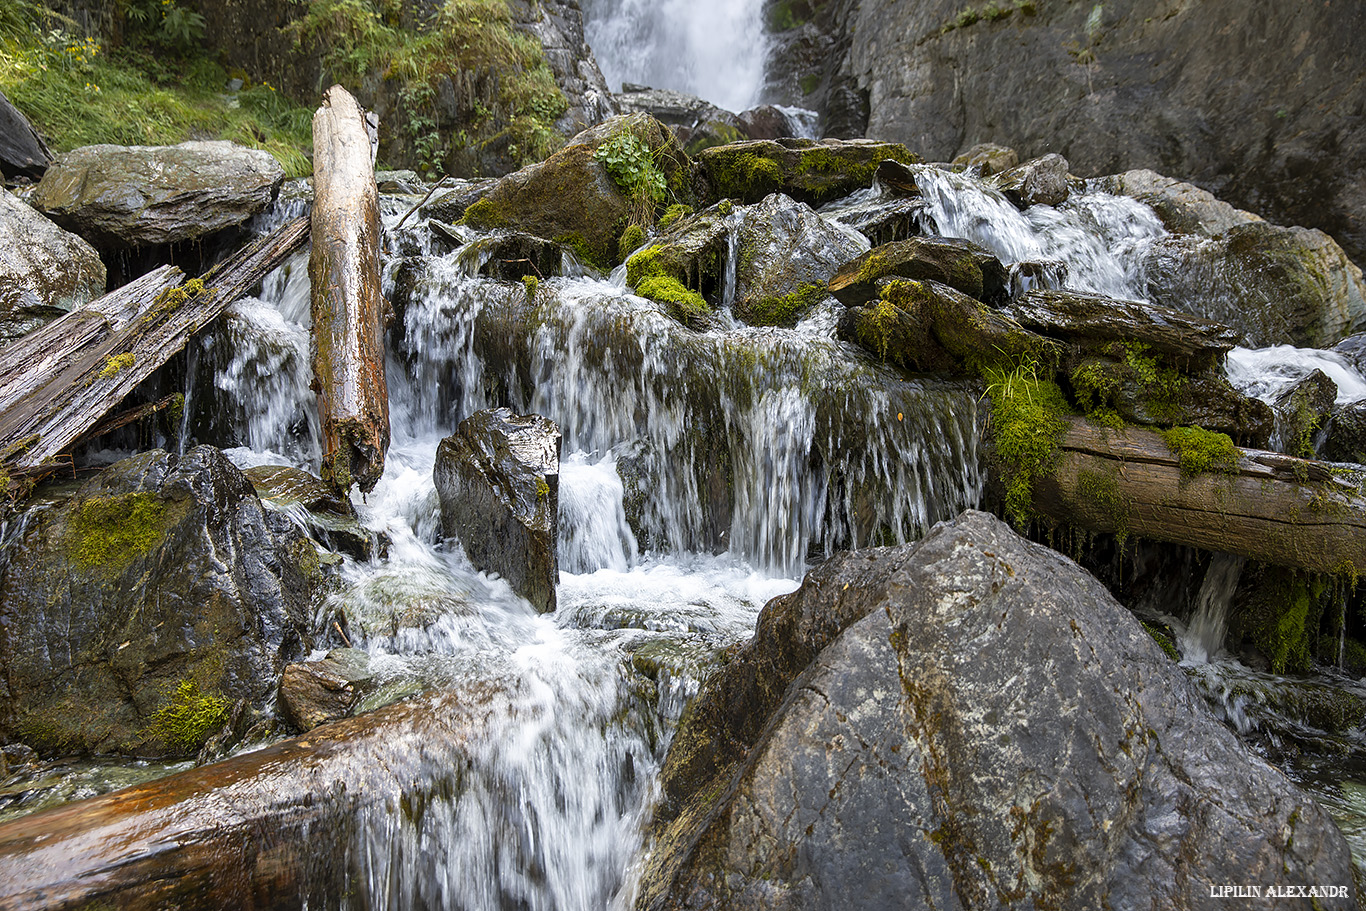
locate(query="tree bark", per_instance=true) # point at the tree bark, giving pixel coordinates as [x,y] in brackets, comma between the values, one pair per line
[348,311]
[1273,508]
[56,383]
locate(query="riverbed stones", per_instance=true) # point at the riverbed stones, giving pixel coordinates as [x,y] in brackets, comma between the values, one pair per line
[498,480]
[136,612]
[571,198]
[44,271]
[960,264]
[135,196]
[1279,286]
[970,721]
[987,159]
[316,692]
[22,151]
[809,171]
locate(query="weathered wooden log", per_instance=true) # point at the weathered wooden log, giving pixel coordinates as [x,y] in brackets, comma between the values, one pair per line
[1267,506]
[348,311]
[57,382]
[272,829]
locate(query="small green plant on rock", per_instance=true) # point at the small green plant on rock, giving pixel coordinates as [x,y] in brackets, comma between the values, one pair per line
[1200,450]
[631,164]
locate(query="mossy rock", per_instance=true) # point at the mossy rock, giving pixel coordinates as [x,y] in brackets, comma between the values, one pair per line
[572,199]
[1278,610]
[960,264]
[807,170]
[138,610]
[931,327]
[684,268]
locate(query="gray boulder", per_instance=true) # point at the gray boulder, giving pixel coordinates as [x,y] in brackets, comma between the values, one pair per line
[1184,208]
[1277,285]
[1346,438]
[498,479]
[137,612]
[988,159]
[133,196]
[969,722]
[44,271]
[1040,181]
[806,170]
[1303,411]
[787,255]
[22,151]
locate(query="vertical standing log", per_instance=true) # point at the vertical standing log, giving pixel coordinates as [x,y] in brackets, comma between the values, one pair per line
[348,311]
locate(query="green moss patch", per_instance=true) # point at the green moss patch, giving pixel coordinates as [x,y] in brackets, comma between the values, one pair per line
[787,309]
[109,533]
[188,718]
[1201,450]
[1028,416]
[686,306]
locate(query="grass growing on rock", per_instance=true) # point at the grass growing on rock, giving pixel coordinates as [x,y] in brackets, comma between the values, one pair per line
[1028,414]
[108,533]
[77,92]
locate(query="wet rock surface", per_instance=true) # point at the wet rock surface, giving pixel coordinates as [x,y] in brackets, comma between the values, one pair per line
[136,612]
[971,721]
[22,151]
[44,271]
[316,692]
[960,264]
[1183,207]
[133,196]
[807,170]
[498,480]
[1039,181]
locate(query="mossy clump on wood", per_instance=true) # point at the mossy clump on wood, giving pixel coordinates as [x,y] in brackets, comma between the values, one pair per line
[1200,450]
[1028,419]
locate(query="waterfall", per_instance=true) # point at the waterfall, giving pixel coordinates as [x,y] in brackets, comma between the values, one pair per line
[714,49]
[1204,635]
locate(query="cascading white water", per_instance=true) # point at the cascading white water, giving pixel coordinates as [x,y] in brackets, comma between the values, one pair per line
[714,49]
[1204,635]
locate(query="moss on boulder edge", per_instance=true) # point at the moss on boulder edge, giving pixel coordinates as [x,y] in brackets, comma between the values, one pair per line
[807,170]
[572,199]
[176,596]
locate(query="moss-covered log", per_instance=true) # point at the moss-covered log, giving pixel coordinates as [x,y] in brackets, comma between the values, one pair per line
[1200,490]
[348,311]
[58,382]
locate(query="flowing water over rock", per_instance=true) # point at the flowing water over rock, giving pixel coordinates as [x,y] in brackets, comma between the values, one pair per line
[701,474]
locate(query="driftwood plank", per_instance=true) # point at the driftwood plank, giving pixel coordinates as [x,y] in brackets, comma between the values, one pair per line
[57,383]
[1273,508]
[347,308]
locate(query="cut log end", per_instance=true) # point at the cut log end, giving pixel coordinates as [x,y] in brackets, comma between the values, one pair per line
[358,456]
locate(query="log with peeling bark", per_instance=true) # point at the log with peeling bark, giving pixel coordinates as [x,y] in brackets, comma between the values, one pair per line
[1270,507]
[279,827]
[58,382]
[348,311]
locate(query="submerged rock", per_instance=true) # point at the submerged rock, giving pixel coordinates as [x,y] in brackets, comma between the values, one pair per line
[967,722]
[22,151]
[136,612]
[960,264]
[1279,286]
[132,196]
[44,271]
[498,478]
[807,170]
[571,198]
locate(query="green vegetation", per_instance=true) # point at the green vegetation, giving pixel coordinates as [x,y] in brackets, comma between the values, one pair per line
[992,12]
[685,305]
[1283,615]
[1163,638]
[117,364]
[631,239]
[109,533]
[631,165]
[532,284]
[746,176]
[152,90]
[505,92]
[1201,450]
[673,214]
[189,718]
[1028,415]
[787,309]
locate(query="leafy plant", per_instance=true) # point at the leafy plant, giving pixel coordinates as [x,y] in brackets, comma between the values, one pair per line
[631,164]
[166,23]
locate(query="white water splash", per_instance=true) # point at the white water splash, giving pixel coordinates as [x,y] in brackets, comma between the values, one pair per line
[714,49]
[1203,638]
[1264,373]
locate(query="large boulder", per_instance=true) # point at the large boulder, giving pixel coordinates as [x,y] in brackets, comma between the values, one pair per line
[44,271]
[498,479]
[571,197]
[1279,286]
[136,613]
[22,151]
[1039,181]
[135,196]
[684,268]
[1257,104]
[807,170]
[969,722]
[1183,207]
[788,253]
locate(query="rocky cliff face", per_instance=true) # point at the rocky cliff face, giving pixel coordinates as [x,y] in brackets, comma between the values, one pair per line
[1260,103]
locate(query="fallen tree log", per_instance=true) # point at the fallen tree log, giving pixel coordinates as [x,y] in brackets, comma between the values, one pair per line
[348,311]
[281,827]
[1266,506]
[58,382]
